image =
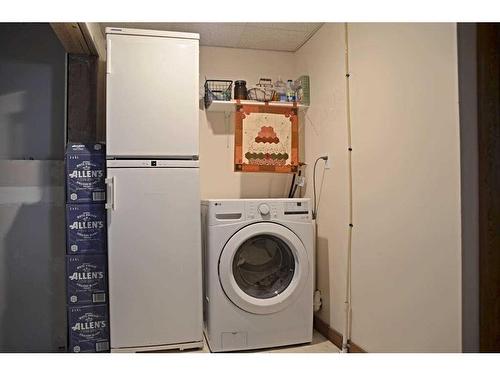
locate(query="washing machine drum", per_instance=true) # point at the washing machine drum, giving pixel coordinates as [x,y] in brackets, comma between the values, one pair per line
[263,268]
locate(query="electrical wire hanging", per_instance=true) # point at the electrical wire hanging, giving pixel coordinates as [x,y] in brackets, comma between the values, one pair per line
[292,186]
[315,207]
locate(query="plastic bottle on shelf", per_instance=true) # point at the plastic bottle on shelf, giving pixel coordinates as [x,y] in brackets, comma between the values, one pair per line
[290,93]
[280,88]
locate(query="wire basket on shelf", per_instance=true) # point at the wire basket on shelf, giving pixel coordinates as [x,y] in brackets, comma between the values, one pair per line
[259,95]
[264,92]
[217,89]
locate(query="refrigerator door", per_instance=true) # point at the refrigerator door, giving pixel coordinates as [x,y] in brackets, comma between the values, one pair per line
[151,96]
[154,253]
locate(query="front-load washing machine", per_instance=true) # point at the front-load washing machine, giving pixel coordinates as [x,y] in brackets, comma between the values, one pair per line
[258,273]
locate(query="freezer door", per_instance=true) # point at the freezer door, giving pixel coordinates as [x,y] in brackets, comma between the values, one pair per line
[154,253]
[151,96]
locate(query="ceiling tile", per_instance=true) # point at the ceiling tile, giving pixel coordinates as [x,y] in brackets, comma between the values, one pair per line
[221,35]
[278,36]
[271,39]
[293,26]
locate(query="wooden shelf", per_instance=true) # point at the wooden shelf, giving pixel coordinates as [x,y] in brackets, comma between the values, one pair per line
[230,105]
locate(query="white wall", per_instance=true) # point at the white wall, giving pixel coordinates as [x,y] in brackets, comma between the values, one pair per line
[406,179]
[322,58]
[218,179]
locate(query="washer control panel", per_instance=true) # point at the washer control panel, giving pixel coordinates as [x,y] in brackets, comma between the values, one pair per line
[262,210]
[234,210]
[286,209]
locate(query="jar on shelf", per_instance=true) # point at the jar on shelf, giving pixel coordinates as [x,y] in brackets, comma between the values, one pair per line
[240,89]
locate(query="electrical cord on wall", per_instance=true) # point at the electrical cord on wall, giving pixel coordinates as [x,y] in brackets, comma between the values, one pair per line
[292,186]
[296,181]
[315,207]
[346,335]
[296,185]
[317,302]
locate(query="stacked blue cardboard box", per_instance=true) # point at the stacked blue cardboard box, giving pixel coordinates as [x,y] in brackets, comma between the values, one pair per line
[86,248]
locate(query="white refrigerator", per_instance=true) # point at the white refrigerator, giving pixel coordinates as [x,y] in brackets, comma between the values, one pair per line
[154,242]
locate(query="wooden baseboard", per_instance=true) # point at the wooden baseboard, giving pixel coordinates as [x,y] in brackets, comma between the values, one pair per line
[327,331]
[334,336]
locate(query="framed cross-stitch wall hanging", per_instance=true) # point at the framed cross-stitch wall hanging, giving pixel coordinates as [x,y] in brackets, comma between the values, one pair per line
[266,139]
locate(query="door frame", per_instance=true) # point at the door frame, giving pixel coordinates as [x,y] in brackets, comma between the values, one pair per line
[488,102]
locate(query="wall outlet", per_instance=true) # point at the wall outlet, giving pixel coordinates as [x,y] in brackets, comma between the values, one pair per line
[328,162]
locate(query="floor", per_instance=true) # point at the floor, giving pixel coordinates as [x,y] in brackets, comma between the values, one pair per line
[320,344]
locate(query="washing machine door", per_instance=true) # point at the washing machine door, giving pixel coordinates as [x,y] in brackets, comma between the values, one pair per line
[263,268]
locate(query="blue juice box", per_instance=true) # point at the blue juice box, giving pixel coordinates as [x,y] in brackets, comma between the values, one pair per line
[88,329]
[86,231]
[85,173]
[86,279]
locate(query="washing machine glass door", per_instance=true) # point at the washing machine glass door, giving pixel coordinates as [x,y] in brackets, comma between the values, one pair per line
[263,268]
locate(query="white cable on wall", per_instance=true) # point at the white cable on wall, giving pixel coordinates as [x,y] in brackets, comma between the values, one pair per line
[346,336]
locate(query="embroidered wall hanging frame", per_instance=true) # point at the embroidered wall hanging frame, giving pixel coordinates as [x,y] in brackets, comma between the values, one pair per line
[266,139]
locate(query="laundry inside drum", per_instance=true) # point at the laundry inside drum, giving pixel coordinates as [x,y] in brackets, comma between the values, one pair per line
[263,266]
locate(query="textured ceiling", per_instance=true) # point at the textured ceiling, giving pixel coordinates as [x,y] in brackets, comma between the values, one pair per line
[268,36]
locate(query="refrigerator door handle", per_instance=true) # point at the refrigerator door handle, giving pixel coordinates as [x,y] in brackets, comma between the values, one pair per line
[110,193]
